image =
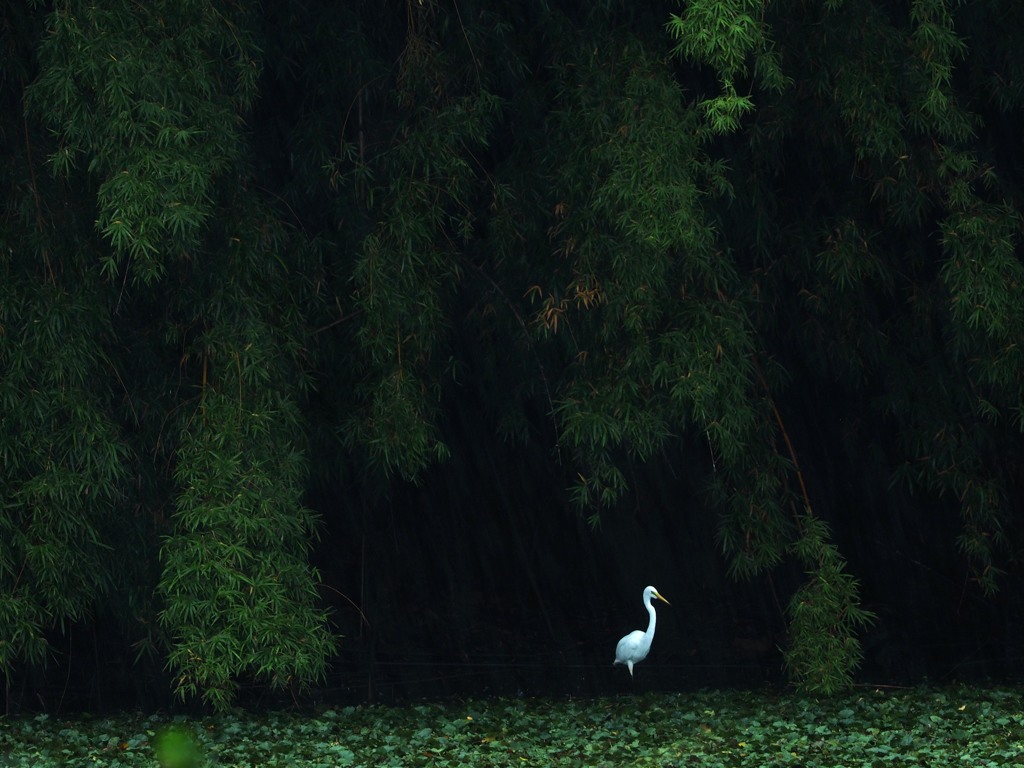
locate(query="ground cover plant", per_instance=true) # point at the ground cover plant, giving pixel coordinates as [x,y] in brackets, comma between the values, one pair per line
[957,726]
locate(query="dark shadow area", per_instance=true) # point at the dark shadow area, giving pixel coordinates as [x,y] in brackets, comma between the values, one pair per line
[480,580]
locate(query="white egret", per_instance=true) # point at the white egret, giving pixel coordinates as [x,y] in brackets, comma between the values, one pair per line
[633,648]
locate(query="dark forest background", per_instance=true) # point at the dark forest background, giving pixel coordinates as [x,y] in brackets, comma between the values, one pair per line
[385,350]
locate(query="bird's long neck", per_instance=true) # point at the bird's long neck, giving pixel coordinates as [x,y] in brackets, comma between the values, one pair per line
[649,634]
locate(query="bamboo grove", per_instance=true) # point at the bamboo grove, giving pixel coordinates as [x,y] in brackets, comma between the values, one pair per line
[245,246]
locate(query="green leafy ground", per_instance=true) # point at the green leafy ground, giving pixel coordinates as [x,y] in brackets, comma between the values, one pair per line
[971,727]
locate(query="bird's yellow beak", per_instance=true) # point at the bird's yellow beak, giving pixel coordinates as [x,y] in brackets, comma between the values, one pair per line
[666,602]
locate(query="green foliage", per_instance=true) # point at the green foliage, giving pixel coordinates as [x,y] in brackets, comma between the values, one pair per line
[938,47]
[825,615]
[149,100]
[280,241]
[724,35]
[630,230]
[907,267]
[720,33]
[148,96]
[406,269]
[61,460]
[176,747]
[723,729]
[240,598]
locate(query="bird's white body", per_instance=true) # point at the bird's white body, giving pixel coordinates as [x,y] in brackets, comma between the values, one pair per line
[634,647]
